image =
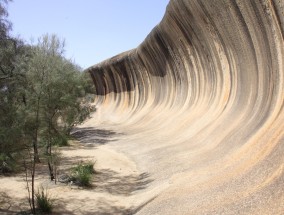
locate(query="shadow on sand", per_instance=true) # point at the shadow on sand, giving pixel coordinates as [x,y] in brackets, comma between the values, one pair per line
[91,135]
[13,205]
[99,207]
[111,182]
[104,181]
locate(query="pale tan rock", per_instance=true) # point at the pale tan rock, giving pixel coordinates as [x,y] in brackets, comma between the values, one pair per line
[201,104]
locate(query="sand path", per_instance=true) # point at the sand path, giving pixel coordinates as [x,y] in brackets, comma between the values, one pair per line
[119,186]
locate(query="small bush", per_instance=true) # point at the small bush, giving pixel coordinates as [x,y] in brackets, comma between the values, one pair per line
[87,167]
[44,202]
[60,140]
[7,165]
[82,174]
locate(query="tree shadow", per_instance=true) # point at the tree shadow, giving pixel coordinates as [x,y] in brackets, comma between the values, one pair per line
[12,205]
[105,181]
[99,207]
[111,182]
[5,201]
[91,135]
[105,208]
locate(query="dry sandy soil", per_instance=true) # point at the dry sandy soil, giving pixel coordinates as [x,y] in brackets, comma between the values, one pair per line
[115,185]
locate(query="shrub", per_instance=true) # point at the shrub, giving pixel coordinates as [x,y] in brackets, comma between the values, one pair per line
[7,164]
[60,140]
[87,167]
[82,174]
[44,202]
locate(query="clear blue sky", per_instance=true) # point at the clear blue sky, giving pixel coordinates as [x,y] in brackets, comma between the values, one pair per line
[94,30]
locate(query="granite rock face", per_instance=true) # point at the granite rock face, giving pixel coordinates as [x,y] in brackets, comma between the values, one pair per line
[202,103]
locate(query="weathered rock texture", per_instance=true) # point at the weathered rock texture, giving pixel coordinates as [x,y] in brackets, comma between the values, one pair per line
[200,102]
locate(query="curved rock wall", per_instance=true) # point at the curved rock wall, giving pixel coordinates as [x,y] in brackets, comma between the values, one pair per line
[201,104]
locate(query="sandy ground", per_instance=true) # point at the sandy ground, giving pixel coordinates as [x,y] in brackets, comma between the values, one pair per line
[116,186]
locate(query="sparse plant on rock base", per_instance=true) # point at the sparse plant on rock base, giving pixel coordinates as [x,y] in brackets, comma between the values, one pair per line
[82,174]
[44,201]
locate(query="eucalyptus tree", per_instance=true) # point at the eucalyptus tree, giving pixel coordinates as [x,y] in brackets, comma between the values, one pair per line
[54,94]
[13,59]
[42,96]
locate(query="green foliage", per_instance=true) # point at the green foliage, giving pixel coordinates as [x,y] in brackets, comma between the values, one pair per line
[5,25]
[6,164]
[44,201]
[42,96]
[82,174]
[61,140]
[57,86]
[86,167]
[13,56]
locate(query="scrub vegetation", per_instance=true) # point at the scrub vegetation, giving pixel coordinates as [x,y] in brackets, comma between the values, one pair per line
[42,96]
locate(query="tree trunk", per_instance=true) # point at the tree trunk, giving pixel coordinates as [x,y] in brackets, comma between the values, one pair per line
[50,171]
[48,150]
[36,156]
[33,187]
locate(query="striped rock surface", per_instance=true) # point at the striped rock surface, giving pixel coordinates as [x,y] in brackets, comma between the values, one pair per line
[200,105]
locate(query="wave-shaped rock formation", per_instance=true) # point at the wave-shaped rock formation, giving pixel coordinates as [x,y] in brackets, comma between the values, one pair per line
[200,103]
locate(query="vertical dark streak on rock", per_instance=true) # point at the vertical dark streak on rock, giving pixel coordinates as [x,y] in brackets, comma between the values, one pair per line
[203,97]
